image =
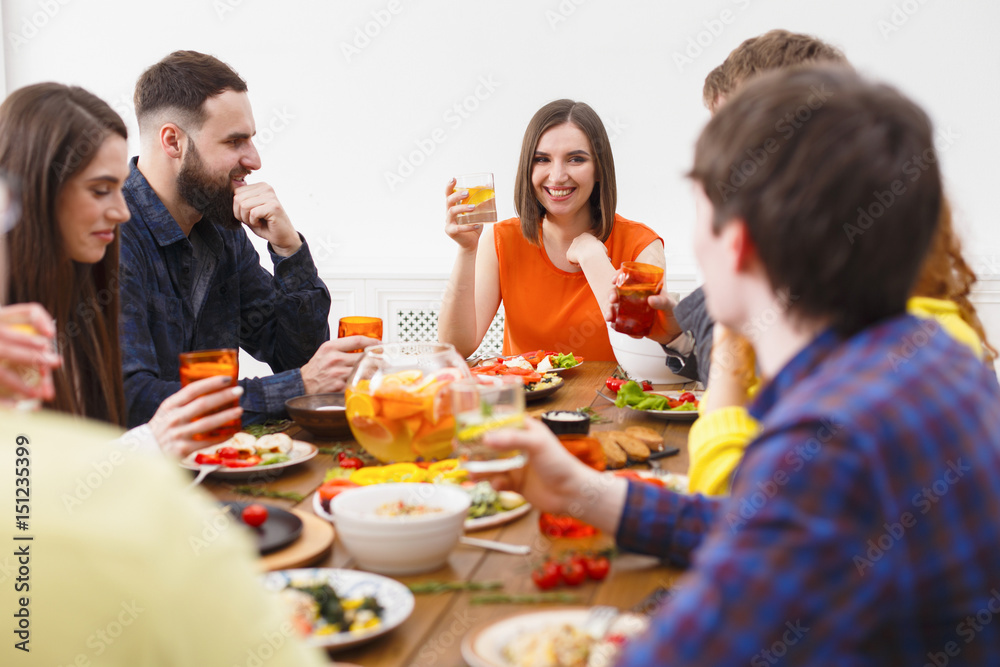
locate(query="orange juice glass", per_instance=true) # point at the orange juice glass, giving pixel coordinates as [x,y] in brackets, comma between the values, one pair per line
[482,195]
[635,284]
[397,403]
[31,375]
[212,363]
[360,326]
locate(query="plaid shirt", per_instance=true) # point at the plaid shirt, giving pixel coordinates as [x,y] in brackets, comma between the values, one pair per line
[279,319]
[864,525]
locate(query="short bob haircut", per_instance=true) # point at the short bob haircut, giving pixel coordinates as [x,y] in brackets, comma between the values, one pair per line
[820,165]
[182,82]
[604,198]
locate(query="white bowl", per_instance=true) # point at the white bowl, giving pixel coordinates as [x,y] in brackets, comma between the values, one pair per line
[642,359]
[403,544]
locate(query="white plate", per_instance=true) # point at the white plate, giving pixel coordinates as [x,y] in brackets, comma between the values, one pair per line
[470,524]
[667,415]
[395,598]
[301,452]
[516,356]
[483,646]
[673,480]
[498,519]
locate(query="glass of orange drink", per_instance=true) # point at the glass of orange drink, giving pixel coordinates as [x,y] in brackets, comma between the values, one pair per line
[359,326]
[481,195]
[203,364]
[397,403]
[32,376]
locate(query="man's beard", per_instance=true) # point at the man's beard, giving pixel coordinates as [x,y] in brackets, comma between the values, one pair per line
[212,199]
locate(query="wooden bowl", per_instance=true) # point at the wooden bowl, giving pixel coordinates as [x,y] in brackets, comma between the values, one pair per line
[322,415]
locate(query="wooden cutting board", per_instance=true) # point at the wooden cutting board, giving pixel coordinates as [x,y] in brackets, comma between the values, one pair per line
[312,545]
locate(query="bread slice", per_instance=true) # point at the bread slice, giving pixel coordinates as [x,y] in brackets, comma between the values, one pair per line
[615,456]
[634,448]
[646,436]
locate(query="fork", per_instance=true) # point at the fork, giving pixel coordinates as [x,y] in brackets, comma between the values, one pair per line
[599,620]
[204,472]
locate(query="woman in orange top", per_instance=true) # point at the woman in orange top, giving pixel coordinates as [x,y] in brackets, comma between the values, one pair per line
[553,267]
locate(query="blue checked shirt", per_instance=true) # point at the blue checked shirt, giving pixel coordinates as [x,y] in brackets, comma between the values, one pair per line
[280,319]
[864,524]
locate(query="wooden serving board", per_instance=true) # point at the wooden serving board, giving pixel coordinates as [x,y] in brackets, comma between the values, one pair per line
[312,545]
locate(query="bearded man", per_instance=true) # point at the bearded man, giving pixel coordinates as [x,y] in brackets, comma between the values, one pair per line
[190,278]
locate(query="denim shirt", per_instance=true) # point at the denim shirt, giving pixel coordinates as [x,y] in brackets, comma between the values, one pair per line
[280,320]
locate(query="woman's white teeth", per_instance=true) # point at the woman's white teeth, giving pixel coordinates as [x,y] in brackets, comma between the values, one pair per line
[560,193]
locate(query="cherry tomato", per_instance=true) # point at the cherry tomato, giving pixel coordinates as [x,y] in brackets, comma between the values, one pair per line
[207,459]
[254,515]
[573,572]
[646,386]
[248,462]
[352,463]
[597,567]
[672,403]
[546,576]
[614,384]
[228,453]
[687,397]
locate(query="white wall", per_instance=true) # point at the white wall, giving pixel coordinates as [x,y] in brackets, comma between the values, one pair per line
[337,109]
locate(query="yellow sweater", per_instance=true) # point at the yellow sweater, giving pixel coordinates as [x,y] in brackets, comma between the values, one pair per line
[717,439]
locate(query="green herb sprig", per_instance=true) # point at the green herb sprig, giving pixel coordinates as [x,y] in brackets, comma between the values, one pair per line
[261,492]
[533,598]
[438,587]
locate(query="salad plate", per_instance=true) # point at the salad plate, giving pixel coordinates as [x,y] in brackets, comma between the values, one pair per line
[299,453]
[493,643]
[396,600]
[550,384]
[666,415]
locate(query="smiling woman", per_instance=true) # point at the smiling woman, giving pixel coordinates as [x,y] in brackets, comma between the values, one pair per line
[66,150]
[553,267]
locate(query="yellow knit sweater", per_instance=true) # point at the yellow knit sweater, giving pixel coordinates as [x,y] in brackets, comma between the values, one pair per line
[717,439]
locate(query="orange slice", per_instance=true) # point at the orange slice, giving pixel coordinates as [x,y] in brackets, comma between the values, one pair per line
[360,405]
[370,428]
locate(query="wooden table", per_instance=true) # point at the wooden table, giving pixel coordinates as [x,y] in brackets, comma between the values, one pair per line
[433,634]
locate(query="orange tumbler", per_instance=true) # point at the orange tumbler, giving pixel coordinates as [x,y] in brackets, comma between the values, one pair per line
[211,363]
[360,326]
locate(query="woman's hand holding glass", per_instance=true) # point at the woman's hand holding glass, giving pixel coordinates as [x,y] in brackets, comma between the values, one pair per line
[27,354]
[465,235]
[188,412]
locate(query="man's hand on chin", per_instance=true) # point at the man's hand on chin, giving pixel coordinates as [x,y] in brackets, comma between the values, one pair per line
[257,206]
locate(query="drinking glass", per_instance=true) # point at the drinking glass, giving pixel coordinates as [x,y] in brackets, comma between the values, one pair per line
[635,284]
[31,375]
[203,364]
[481,195]
[481,406]
[360,326]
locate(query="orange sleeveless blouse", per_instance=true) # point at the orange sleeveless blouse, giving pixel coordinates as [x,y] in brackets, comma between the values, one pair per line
[548,308]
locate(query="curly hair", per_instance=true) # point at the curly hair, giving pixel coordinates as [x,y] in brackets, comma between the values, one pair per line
[946,275]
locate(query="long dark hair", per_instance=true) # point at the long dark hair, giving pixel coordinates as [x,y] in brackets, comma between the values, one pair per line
[48,133]
[604,198]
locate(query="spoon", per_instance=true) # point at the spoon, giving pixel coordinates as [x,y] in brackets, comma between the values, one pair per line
[514,549]
[204,472]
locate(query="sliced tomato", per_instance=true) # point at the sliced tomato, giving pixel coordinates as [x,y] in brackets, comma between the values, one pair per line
[248,462]
[207,459]
[687,397]
[535,358]
[228,453]
[332,488]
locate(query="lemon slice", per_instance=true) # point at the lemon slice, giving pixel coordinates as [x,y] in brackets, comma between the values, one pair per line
[478,430]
